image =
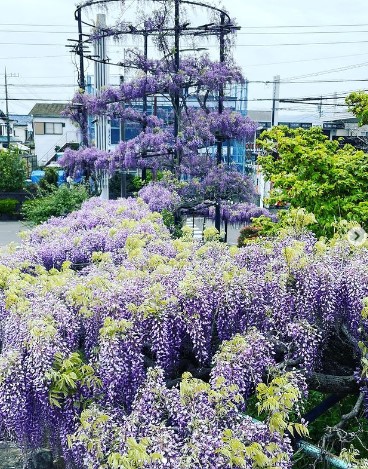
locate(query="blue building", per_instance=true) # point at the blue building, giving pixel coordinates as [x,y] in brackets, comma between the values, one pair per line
[236,97]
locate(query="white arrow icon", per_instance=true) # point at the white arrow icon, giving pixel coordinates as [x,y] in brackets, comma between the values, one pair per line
[357,236]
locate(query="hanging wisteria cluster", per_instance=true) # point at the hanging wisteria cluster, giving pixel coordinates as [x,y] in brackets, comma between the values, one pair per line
[117,340]
[200,196]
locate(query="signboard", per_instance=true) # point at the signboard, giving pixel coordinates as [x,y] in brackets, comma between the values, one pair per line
[333,125]
[297,125]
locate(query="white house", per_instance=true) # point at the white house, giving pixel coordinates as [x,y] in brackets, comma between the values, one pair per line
[22,127]
[4,131]
[52,131]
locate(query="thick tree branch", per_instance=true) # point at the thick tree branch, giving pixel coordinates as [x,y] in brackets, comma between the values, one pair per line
[332,384]
[352,414]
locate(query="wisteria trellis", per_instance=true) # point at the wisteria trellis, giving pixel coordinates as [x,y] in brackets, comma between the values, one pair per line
[183,142]
[102,312]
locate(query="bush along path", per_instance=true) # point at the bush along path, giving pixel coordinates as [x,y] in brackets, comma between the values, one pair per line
[124,348]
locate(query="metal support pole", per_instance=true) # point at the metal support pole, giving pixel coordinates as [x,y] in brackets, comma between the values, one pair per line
[122,122]
[220,110]
[177,66]
[145,107]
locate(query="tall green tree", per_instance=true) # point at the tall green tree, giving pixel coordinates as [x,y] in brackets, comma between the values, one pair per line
[358,105]
[310,171]
[12,170]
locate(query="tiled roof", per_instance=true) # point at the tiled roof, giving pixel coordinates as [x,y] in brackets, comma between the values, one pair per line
[47,109]
[20,119]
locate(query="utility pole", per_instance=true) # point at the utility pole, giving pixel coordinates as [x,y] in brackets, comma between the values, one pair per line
[82,81]
[220,111]
[7,110]
[264,184]
[275,101]
[6,75]
[320,108]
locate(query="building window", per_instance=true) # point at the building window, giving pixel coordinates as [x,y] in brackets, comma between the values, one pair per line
[39,128]
[49,128]
[53,128]
[4,130]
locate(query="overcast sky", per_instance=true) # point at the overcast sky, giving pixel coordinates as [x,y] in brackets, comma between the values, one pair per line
[329,47]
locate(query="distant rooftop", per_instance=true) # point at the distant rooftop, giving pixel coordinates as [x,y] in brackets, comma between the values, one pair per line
[4,139]
[259,116]
[20,119]
[48,109]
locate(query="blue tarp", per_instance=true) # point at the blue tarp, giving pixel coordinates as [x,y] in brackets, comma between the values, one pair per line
[38,174]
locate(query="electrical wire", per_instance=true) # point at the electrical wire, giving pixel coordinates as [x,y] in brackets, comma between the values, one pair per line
[238,33]
[272,44]
[29,44]
[306,26]
[265,82]
[36,25]
[34,57]
[35,32]
[300,32]
[306,60]
[244,26]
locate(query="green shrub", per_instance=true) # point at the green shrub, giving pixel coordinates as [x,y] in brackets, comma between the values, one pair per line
[12,170]
[50,180]
[60,202]
[247,233]
[172,222]
[115,185]
[8,206]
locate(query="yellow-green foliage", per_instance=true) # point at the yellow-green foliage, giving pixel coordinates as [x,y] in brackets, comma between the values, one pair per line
[136,456]
[113,327]
[277,400]
[351,457]
[66,375]
[211,234]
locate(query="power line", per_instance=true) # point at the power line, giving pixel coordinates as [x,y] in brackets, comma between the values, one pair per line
[298,44]
[34,77]
[270,45]
[34,31]
[239,33]
[331,70]
[32,24]
[265,82]
[29,44]
[306,26]
[40,85]
[300,32]
[308,81]
[39,99]
[307,60]
[34,57]
[244,26]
